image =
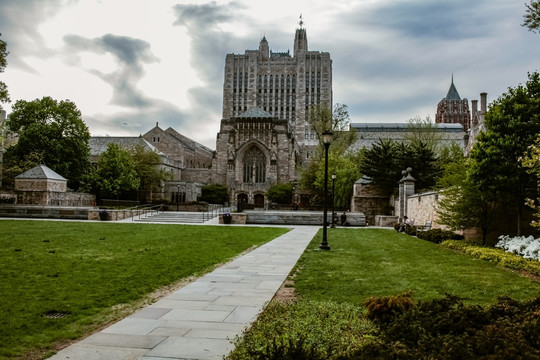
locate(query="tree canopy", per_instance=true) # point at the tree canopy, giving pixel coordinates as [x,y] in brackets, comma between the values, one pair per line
[512,125]
[4,95]
[532,16]
[53,133]
[115,173]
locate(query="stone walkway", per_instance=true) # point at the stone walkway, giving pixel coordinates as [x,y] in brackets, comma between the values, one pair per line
[200,320]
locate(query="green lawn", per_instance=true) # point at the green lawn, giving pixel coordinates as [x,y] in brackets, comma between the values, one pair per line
[378,262]
[94,271]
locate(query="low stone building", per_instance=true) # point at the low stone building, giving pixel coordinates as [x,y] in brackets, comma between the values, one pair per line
[42,186]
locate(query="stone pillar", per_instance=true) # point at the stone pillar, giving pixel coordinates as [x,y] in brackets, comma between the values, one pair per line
[406,189]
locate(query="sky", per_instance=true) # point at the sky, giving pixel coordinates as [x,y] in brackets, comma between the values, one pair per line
[129,64]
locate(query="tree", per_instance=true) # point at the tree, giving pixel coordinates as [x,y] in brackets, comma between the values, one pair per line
[385,161]
[4,95]
[115,174]
[214,194]
[461,203]
[147,166]
[280,193]
[381,165]
[346,168]
[322,118]
[532,16]
[532,162]
[54,132]
[423,131]
[512,125]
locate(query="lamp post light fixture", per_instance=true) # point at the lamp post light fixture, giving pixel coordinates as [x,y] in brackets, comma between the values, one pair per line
[334,176]
[178,197]
[327,139]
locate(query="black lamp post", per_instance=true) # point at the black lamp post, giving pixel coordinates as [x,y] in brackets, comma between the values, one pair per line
[334,176]
[178,197]
[327,139]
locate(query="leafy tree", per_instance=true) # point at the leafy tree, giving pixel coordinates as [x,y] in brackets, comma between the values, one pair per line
[423,131]
[280,193]
[346,168]
[532,16]
[147,166]
[115,173]
[55,133]
[512,123]
[322,118]
[214,194]
[4,95]
[532,162]
[461,204]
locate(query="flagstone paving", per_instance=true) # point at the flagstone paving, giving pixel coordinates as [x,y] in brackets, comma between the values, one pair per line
[200,320]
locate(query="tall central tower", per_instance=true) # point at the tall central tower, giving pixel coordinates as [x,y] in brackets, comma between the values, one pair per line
[264,138]
[279,83]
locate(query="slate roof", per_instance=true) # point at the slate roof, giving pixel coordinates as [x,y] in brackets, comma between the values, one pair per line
[98,144]
[40,172]
[388,127]
[256,112]
[452,92]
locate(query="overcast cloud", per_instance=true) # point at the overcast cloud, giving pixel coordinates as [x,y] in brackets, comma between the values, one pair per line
[128,64]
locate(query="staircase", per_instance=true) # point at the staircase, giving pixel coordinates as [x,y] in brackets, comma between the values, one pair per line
[176,217]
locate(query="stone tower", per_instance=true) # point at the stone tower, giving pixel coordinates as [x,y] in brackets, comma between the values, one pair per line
[264,137]
[280,84]
[453,110]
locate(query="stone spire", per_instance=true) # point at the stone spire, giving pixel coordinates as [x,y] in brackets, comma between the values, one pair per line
[300,39]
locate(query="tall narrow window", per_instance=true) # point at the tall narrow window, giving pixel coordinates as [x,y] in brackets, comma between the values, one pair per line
[254,166]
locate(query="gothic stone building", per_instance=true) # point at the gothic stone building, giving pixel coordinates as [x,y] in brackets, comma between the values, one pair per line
[264,136]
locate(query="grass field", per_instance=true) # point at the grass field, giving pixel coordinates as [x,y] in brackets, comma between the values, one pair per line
[95,272]
[329,319]
[377,262]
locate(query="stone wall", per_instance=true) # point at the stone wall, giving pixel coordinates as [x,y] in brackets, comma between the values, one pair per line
[423,207]
[370,201]
[53,198]
[40,185]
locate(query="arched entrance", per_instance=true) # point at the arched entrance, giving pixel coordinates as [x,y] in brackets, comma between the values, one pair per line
[258,199]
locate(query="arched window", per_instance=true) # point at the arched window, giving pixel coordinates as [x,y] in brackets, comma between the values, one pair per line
[254,166]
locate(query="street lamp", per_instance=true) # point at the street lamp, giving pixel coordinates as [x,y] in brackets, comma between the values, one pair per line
[178,197]
[334,176]
[327,139]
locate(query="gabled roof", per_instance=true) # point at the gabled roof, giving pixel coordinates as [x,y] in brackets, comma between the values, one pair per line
[40,172]
[452,92]
[256,112]
[98,144]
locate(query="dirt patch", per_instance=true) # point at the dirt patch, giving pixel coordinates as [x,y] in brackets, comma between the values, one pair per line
[285,293]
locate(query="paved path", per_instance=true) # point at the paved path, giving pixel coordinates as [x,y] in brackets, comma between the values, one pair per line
[200,320]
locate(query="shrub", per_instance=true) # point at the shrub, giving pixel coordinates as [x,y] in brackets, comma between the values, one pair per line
[528,247]
[214,194]
[498,256]
[448,329]
[280,193]
[439,235]
[305,330]
[383,308]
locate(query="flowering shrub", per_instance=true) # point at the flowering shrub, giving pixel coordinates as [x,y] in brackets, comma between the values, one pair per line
[528,247]
[497,256]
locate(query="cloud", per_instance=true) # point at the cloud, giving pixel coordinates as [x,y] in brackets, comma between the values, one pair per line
[20,20]
[131,55]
